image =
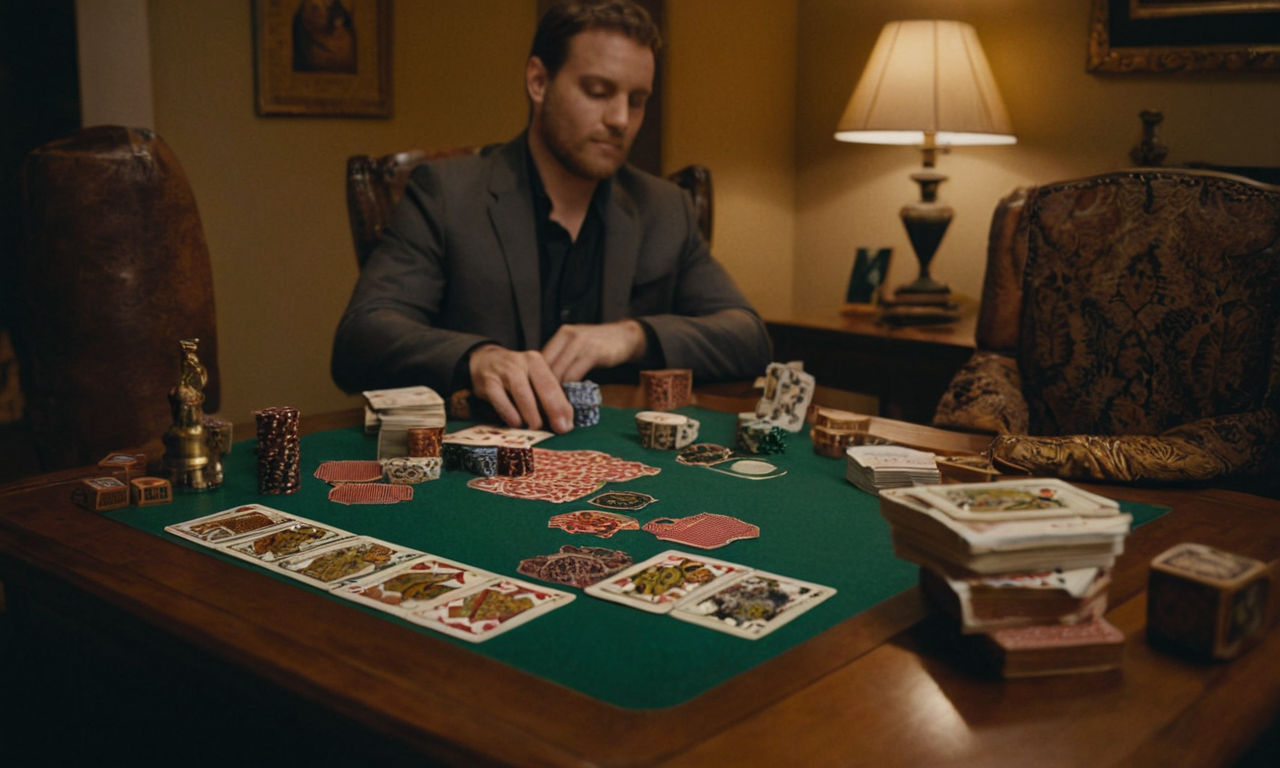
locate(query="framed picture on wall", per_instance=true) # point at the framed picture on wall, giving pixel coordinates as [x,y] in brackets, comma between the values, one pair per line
[1184,35]
[328,58]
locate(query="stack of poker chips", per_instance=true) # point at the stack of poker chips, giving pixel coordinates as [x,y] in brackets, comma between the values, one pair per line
[479,459]
[278,458]
[515,461]
[759,436]
[834,430]
[874,467]
[585,398]
[411,470]
[667,389]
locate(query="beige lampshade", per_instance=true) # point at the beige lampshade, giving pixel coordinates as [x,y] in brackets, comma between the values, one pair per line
[926,76]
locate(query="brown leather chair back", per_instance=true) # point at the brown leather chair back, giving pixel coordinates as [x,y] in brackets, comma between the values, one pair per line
[375,185]
[115,272]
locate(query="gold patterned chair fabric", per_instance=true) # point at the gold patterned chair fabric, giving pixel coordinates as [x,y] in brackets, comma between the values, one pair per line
[1128,329]
[376,184]
[115,272]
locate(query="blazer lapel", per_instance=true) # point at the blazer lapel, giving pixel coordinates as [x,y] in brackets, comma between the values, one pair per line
[621,249]
[511,212]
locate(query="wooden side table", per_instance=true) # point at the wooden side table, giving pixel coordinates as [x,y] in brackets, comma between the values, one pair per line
[906,367]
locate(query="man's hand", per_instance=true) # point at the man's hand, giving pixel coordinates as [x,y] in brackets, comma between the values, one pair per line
[577,349]
[516,383]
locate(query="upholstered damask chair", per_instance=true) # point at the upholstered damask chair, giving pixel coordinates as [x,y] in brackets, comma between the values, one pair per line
[376,184]
[1128,329]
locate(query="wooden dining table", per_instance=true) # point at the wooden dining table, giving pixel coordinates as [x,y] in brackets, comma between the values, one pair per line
[887,686]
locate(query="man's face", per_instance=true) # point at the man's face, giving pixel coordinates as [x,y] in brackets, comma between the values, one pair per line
[589,113]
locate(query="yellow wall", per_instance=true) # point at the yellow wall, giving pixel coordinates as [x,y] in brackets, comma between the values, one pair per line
[754,89]
[270,189]
[1069,123]
[730,105]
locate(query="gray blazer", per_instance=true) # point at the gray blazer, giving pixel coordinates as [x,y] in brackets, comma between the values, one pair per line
[458,266]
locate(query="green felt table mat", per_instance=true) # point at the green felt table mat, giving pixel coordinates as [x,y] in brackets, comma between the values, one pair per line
[814,526]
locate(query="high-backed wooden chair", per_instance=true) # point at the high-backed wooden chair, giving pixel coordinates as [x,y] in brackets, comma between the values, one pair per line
[116,272]
[1128,329]
[375,185]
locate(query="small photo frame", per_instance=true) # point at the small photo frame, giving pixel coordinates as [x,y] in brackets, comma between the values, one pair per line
[868,274]
[327,58]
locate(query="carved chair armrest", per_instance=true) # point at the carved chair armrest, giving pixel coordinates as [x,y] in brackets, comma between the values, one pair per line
[1204,449]
[985,395]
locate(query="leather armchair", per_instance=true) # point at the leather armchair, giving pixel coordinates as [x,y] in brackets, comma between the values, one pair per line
[1129,329]
[115,272]
[375,185]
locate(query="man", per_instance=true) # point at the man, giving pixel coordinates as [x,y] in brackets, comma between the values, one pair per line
[548,259]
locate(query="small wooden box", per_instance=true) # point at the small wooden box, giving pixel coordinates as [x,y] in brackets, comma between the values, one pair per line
[148,491]
[1206,602]
[101,494]
[124,466]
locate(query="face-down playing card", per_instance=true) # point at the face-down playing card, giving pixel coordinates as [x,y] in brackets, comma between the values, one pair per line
[752,605]
[657,584]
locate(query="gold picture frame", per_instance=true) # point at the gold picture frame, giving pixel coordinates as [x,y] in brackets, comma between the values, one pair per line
[1184,36]
[328,58]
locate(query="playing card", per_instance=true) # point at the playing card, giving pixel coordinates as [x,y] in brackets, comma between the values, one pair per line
[657,584]
[483,434]
[490,610]
[346,561]
[403,397]
[220,527]
[593,521]
[628,500]
[575,566]
[1024,499]
[409,590]
[704,530]
[752,605]
[290,539]
[787,394]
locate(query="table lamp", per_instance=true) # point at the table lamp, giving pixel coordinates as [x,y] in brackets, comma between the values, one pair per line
[927,84]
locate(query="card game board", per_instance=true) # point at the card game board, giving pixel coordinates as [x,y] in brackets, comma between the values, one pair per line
[815,529]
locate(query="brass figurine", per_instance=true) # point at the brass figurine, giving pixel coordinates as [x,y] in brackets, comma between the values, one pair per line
[188,459]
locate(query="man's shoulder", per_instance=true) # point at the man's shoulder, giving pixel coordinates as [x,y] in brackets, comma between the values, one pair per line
[646,189]
[467,169]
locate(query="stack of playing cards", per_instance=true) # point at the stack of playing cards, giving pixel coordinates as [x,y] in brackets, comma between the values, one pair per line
[392,412]
[1021,564]
[418,587]
[874,467]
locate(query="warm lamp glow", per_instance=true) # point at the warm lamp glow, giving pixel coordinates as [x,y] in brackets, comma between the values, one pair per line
[926,77]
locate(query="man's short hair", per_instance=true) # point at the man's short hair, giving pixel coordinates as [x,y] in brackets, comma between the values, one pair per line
[569,17]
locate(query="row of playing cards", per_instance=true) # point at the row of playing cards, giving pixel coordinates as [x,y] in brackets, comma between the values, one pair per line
[416,586]
[725,596]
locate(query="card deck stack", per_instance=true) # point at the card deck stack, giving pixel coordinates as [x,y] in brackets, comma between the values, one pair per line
[278,456]
[1023,565]
[393,412]
[424,589]
[875,467]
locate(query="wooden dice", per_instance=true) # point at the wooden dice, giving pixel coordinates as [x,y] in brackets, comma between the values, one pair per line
[1206,602]
[101,494]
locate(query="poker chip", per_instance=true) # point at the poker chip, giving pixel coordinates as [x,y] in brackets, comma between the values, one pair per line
[480,459]
[278,456]
[425,441]
[370,493]
[335,472]
[515,462]
[667,389]
[760,437]
[411,470]
[585,398]
[665,431]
